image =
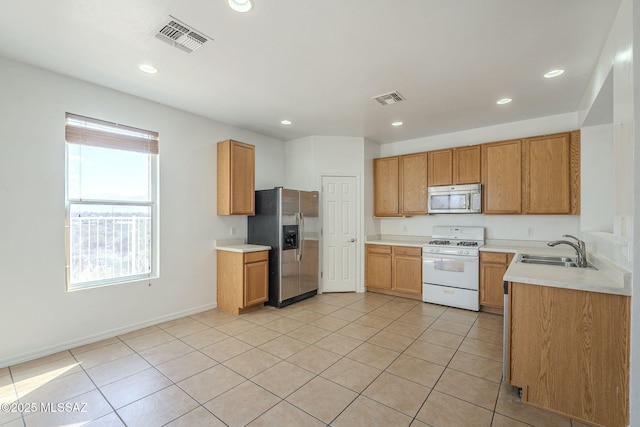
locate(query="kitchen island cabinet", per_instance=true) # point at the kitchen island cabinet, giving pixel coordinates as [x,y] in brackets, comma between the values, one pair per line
[568,350]
[394,270]
[243,280]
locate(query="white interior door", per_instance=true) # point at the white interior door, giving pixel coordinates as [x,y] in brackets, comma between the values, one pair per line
[340,221]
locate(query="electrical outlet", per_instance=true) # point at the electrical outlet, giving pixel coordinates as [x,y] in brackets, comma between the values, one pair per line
[232,231]
[624,251]
[531,231]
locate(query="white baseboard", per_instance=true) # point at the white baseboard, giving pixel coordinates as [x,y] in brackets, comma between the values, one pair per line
[46,351]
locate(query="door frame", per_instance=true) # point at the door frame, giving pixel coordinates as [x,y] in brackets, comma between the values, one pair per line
[360,237]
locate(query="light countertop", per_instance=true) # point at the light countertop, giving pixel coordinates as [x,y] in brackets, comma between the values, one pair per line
[414,241]
[243,248]
[607,278]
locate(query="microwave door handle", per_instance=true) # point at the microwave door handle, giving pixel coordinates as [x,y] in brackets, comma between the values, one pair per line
[468,197]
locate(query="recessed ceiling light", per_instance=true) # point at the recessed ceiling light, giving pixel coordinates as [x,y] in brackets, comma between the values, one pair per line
[396,123]
[241,5]
[553,73]
[286,122]
[150,69]
[504,101]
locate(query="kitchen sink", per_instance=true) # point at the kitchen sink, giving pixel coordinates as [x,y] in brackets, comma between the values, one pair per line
[559,261]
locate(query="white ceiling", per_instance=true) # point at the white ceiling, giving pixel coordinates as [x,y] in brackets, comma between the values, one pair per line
[319,63]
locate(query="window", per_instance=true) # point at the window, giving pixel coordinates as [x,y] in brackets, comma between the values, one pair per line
[111,209]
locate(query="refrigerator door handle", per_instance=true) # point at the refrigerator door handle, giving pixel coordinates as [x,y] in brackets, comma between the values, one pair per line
[300,252]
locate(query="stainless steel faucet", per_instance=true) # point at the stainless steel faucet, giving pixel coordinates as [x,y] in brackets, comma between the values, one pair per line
[579,246]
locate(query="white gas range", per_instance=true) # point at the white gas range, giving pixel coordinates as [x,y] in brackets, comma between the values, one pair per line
[450,266]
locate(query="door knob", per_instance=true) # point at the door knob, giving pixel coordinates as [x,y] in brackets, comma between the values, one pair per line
[352,240]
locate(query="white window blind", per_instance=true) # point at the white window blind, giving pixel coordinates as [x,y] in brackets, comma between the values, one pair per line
[111,188]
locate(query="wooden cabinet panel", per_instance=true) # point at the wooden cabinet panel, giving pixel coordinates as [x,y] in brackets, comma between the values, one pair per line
[394,270]
[441,167]
[242,280]
[569,352]
[378,268]
[493,265]
[236,178]
[547,174]
[413,184]
[502,177]
[407,274]
[256,283]
[386,186]
[466,165]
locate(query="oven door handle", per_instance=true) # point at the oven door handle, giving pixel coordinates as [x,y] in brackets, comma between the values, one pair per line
[430,256]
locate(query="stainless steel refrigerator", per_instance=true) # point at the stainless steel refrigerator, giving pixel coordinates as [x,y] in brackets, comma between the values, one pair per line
[287,220]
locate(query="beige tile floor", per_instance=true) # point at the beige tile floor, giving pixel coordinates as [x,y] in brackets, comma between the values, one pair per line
[335,359]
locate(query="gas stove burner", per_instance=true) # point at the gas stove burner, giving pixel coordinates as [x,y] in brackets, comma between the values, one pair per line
[467,244]
[439,242]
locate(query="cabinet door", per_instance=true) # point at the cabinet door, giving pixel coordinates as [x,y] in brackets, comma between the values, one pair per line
[466,165]
[441,167]
[547,174]
[386,186]
[413,184]
[378,265]
[493,265]
[492,284]
[236,178]
[569,351]
[242,178]
[501,177]
[407,272]
[256,282]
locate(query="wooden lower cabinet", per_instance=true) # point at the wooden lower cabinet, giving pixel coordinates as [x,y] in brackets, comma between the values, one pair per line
[569,352]
[394,270]
[243,280]
[493,265]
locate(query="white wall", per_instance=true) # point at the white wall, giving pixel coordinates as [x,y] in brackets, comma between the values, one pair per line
[597,196]
[37,315]
[308,159]
[519,227]
[621,52]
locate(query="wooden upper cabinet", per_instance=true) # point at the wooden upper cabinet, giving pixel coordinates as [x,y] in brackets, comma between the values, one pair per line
[441,167]
[236,178]
[386,186]
[501,177]
[466,165]
[460,165]
[550,175]
[413,184]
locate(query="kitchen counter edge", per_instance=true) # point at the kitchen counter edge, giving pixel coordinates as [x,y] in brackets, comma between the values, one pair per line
[602,280]
[245,248]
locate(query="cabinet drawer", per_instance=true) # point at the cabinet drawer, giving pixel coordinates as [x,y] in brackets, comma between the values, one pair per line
[379,249]
[256,256]
[497,257]
[407,251]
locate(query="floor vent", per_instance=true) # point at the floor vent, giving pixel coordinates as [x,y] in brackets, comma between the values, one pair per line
[389,98]
[180,35]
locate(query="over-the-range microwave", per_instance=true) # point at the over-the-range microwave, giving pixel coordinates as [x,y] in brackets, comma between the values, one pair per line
[454,199]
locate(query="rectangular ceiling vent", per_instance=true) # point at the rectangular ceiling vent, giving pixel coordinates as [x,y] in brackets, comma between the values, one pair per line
[179,35]
[389,98]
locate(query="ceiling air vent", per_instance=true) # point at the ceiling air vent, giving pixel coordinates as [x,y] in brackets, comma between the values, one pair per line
[389,98]
[179,35]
